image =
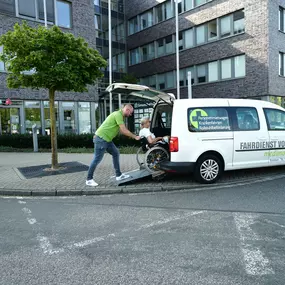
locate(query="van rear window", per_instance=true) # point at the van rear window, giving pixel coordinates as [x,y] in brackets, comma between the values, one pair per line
[208,119]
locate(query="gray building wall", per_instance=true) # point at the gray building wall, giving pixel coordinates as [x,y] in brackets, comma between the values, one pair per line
[277,44]
[82,25]
[254,43]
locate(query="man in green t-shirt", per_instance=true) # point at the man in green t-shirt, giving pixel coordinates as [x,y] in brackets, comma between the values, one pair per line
[103,141]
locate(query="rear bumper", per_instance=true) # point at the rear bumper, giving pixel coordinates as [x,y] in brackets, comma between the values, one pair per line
[177,167]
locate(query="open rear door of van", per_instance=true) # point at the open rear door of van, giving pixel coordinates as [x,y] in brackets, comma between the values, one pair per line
[141,91]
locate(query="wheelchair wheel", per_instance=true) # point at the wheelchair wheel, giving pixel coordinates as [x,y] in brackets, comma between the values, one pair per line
[140,156]
[153,157]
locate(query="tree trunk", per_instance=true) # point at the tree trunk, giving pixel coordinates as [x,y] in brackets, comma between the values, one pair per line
[53,135]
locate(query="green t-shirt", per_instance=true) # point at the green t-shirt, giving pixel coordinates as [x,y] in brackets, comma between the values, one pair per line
[111,126]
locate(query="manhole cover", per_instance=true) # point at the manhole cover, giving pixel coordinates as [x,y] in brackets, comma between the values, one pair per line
[44,170]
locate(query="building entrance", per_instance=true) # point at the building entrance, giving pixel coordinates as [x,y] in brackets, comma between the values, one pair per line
[10,120]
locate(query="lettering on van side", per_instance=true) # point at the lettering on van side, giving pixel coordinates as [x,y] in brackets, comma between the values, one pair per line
[249,146]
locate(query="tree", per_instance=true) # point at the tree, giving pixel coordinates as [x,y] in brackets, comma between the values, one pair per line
[51,59]
[129,78]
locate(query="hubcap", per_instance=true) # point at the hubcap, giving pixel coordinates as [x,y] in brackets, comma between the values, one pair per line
[209,169]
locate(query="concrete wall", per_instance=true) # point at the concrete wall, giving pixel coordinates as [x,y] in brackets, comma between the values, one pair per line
[82,25]
[254,43]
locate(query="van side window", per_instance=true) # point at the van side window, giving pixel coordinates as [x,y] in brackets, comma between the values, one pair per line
[208,119]
[247,119]
[275,119]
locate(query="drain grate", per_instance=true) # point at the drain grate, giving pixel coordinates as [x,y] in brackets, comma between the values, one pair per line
[44,170]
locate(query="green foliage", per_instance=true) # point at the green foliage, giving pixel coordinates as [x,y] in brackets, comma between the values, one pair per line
[129,78]
[49,58]
[25,141]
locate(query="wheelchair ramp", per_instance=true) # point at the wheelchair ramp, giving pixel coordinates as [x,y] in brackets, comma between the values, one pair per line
[134,176]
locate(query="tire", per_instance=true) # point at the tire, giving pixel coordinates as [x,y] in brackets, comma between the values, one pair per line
[153,157]
[208,169]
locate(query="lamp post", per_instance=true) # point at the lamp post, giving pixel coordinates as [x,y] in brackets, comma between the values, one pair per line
[177,49]
[110,53]
[45,12]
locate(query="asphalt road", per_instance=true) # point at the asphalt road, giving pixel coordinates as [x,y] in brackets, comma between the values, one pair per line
[231,235]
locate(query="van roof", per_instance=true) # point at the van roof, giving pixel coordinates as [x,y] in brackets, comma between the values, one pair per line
[226,102]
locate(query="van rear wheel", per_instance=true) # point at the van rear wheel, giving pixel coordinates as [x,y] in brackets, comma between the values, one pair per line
[208,169]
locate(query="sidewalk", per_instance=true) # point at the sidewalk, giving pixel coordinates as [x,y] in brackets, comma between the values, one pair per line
[12,182]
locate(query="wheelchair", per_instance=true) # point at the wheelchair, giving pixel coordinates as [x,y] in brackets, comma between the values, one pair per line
[149,156]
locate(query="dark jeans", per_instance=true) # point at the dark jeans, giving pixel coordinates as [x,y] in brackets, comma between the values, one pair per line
[100,146]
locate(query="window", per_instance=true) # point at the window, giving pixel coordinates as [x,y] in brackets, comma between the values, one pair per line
[146,20]
[135,55]
[169,47]
[200,2]
[35,9]
[84,118]
[239,22]
[226,66]
[188,35]
[180,43]
[201,73]
[281,64]
[208,119]
[161,81]
[181,77]
[159,13]
[275,119]
[213,71]
[32,115]
[63,14]
[225,26]
[190,69]
[200,34]
[133,26]
[188,4]
[2,65]
[147,52]
[247,119]
[169,12]
[281,19]
[212,30]
[160,47]
[239,65]
[169,80]
[27,8]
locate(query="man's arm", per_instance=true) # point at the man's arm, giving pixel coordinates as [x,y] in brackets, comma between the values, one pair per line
[126,132]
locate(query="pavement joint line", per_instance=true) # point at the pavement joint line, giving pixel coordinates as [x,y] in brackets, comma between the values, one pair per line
[21,176]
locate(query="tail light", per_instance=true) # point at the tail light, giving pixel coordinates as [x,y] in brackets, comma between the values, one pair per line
[173,144]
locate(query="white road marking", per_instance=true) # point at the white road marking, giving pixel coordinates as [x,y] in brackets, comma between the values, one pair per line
[44,242]
[31,221]
[46,245]
[146,226]
[21,202]
[168,220]
[274,223]
[255,261]
[91,241]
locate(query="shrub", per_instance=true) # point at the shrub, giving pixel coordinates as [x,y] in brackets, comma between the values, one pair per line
[63,141]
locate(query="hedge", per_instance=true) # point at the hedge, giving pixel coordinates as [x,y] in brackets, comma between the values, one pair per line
[63,141]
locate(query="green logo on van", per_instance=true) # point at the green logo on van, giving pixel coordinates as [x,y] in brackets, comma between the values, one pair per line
[194,115]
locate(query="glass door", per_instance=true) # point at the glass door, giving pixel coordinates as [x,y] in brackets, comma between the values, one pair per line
[10,120]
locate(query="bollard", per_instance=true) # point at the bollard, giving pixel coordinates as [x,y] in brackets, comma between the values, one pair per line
[35,138]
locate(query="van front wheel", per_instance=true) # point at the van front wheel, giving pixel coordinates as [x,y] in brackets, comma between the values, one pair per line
[208,169]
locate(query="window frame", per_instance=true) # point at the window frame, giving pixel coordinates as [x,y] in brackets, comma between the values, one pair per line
[267,119]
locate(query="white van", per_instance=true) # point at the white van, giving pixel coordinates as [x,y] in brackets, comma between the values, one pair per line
[209,136]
